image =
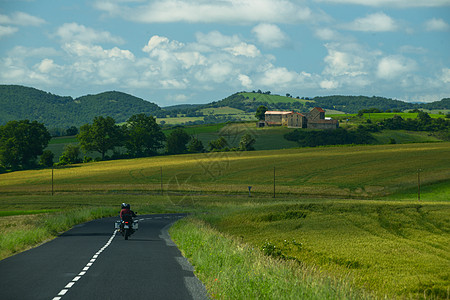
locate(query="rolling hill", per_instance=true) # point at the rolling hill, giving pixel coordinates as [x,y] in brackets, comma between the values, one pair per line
[20,102]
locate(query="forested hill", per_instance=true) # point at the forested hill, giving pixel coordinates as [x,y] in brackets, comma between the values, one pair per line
[19,102]
[348,104]
[353,104]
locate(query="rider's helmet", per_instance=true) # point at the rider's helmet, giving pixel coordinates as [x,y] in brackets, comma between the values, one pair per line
[128,206]
[124,205]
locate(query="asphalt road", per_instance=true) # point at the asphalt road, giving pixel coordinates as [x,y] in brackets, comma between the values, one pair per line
[91,261]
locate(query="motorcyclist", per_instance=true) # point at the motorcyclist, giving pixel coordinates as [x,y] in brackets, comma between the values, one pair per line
[126,214]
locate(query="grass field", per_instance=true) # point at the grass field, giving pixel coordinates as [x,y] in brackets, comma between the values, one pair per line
[272,98]
[345,220]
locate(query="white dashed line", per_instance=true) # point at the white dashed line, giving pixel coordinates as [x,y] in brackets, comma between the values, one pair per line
[85,269]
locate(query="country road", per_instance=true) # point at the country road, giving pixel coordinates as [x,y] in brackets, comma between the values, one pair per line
[91,261]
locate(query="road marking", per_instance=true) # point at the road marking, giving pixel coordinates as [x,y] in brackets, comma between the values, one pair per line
[85,269]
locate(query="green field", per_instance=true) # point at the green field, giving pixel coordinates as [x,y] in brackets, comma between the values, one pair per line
[345,221]
[377,117]
[273,98]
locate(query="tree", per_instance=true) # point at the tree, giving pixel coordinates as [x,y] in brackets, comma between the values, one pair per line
[143,135]
[46,159]
[101,136]
[247,142]
[219,144]
[71,155]
[21,142]
[177,140]
[72,130]
[196,146]
[260,112]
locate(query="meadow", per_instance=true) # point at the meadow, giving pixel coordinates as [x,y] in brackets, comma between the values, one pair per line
[345,222]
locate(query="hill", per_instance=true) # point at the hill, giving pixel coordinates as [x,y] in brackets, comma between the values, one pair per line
[20,102]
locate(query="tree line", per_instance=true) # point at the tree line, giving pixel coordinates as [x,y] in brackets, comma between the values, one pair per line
[22,142]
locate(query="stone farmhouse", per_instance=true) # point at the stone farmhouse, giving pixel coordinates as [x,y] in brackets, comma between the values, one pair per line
[315,119]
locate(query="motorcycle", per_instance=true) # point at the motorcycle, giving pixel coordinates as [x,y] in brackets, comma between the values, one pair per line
[127,227]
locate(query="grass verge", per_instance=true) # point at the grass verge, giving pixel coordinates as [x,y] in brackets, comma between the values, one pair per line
[232,270]
[19,233]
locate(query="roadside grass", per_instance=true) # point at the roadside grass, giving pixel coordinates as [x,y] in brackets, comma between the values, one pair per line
[393,249]
[19,233]
[231,269]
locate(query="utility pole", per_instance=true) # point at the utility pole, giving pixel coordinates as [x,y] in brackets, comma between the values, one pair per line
[274,182]
[160,171]
[418,184]
[52,180]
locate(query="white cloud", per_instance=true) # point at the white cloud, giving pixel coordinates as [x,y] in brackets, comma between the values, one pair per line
[378,22]
[326,34]
[7,30]
[392,3]
[244,49]
[446,75]
[70,32]
[217,39]
[329,84]
[394,66]
[203,11]
[21,19]
[349,60]
[47,65]
[270,35]
[245,81]
[436,25]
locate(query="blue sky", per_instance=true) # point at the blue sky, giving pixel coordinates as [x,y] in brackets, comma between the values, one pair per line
[179,51]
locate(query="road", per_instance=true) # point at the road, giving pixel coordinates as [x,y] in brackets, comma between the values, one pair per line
[91,261]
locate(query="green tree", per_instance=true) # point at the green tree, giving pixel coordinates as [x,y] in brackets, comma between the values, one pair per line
[143,135]
[196,146]
[21,142]
[101,136]
[72,130]
[260,112]
[46,159]
[219,144]
[177,140]
[71,155]
[247,142]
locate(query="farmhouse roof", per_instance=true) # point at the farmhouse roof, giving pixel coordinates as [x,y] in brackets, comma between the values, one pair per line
[319,109]
[277,112]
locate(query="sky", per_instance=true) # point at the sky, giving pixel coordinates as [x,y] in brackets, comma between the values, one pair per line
[198,51]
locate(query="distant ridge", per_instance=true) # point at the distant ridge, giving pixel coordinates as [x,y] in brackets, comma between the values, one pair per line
[20,102]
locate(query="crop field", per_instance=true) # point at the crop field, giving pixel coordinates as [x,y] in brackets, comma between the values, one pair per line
[348,215]
[360,171]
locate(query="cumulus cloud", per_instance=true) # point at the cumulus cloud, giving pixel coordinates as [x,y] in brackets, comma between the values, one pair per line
[436,25]
[69,32]
[378,22]
[245,81]
[21,19]
[203,11]
[329,84]
[391,67]
[390,3]
[7,30]
[270,35]
[244,49]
